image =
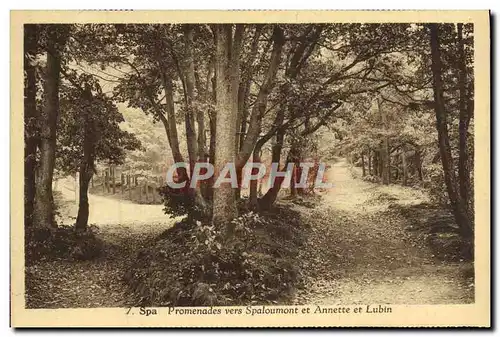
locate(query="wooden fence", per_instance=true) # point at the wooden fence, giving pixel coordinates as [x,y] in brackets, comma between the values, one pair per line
[137,186]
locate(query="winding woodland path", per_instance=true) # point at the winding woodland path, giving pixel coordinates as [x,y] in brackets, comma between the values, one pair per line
[359,253]
[125,227]
[109,211]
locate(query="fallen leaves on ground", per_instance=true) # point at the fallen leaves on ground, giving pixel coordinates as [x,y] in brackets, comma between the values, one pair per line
[86,284]
[361,248]
[359,251]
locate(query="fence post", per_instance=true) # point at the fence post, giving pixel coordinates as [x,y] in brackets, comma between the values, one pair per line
[106,180]
[122,178]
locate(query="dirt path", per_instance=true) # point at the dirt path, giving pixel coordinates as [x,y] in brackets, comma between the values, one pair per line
[124,227]
[357,252]
[108,211]
[360,253]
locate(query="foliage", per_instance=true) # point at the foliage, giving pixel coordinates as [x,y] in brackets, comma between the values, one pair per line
[296,83]
[154,149]
[63,242]
[436,186]
[180,202]
[196,264]
[93,115]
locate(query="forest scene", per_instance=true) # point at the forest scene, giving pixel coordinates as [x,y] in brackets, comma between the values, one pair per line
[115,115]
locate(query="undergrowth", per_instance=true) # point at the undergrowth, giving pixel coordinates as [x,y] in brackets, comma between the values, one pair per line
[196,264]
[437,227]
[63,242]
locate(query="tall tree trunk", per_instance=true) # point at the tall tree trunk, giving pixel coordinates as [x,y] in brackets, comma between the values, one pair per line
[227,81]
[246,142]
[458,206]
[271,195]
[44,200]
[189,80]
[383,163]
[398,169]
[380,163]
[87,165]
[200,116]
[363,163]
[213,132]
[375,163]
[244,90]
[30,121]
[253,198]
[260,104]
[293,189]
[241,118]
[463,126]
[386,159]
[235,85]
[295,158]
[170,125]
[418,163]
[297,58]
[255,186]
[405,167]
[85,174]
[211,154]
[369,162]
[204,97]
[412,167]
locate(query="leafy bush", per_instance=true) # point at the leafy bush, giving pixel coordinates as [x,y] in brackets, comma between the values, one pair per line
[250,259]
[62,242]
[436,185]
[180,202]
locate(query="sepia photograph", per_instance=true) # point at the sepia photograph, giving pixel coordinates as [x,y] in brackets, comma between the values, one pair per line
[185,168]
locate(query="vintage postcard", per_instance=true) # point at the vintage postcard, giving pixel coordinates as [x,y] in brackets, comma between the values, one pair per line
[250,169]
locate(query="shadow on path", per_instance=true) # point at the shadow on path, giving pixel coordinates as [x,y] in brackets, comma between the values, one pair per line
[359,252]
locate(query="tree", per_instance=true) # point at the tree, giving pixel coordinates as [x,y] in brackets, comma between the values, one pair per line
[56,36]
[466,110]
[457,202]
[227,76]
[153,76]
[89,132]
[31,137]
[283,84]
[385,157]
